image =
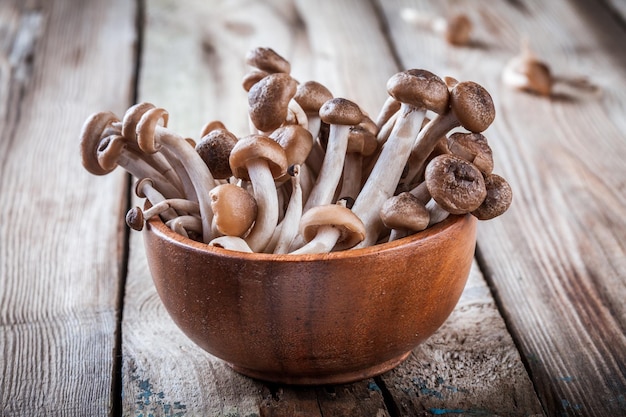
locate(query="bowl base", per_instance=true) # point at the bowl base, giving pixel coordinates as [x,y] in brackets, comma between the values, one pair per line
[323,379]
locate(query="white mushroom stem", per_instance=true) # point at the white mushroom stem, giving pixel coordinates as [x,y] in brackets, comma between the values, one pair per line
[389,109]
[179,204]
[351,181]
[314,125]
[136,217]
[153,137]
[298,113]
[426,141]
[437,213]
[328,179]
[382,181]
[396,234]
[288,228]
[145,189]
[421,192]
[183,224]
[323,242]
[267,203]
[233,243]
[137,166]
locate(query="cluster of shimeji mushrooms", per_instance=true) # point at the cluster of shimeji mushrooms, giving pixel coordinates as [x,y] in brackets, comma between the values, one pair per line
[316,173]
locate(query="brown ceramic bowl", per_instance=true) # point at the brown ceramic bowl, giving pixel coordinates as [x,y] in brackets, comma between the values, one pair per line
[313,319]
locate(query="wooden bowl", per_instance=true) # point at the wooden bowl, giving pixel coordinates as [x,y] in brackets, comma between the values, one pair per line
[313,319]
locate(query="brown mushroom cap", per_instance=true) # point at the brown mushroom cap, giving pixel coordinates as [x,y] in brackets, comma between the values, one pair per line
[132,116]
[90,140]
[214,149]
[234,209]
[253,77]
[419,88]
[135,219]
[472,105]
[455,184]
[404,211]
[352,230]
[498,199]
[255,147]
[472,147]
[110,150]
[266,59]
[311,95]
[268,101]
[296,141]
[211,125]
[361,140]
[458,29]
[341,111]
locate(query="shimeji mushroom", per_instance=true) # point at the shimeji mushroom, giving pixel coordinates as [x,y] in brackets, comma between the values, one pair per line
[214,148]
[153,137]
[297,143]
[311,96]
[527,73]
[103,148]
[498,199]
[268,60]
[456,29]
[144,188]
[403,214]
[340,114]
[234,209]
[269,101]
[472,147]
[455,185]
[418,91]
[471,106]
[324,227]
[173,173]
[135,217]
[361,143]
[260,159]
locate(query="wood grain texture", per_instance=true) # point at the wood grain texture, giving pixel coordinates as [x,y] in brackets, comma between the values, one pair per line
[469,367]
[61,240]
[557,259]
[324,41]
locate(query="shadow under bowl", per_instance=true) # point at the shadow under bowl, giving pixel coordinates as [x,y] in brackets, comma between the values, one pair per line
[313,319]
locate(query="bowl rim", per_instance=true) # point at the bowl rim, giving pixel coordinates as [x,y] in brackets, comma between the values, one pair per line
[157,226]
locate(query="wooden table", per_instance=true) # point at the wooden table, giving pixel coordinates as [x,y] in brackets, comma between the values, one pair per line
[540,328]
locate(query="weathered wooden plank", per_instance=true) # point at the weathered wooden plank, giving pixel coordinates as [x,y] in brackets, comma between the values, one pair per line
[61,240]
[556,259]
[469,367]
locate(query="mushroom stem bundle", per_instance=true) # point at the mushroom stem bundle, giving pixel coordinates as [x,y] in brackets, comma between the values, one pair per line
[152,138]
[418,91]
[350,174]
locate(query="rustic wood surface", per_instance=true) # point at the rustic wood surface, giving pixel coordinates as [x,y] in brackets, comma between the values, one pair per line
[61,238]
[540,328]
